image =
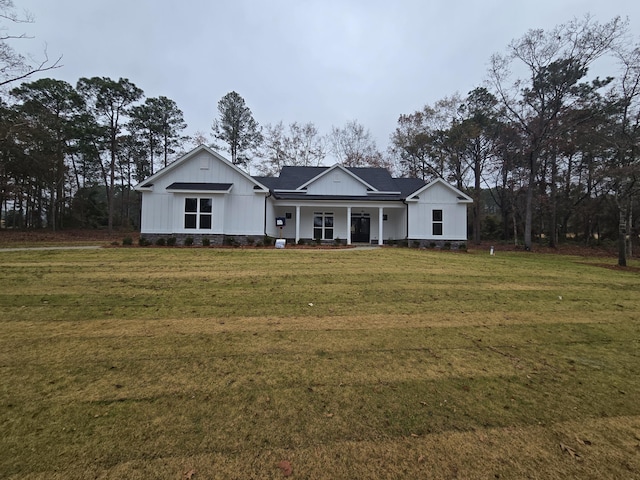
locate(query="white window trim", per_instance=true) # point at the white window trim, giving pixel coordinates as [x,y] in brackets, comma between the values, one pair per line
[324,228]
[198,213]
[437,222]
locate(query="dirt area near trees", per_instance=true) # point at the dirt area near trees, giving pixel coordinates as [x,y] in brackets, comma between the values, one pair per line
[569,248]
[18,238]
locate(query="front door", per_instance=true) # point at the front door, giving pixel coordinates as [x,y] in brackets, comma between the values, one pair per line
[360,229]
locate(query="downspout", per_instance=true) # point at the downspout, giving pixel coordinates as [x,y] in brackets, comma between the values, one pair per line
[406,237]
[265,212]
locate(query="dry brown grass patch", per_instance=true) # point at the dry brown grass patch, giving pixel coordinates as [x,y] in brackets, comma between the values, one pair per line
[409,364]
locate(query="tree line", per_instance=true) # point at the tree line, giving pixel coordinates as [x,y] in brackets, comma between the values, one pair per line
[71,155]
[546,149]
[267,149]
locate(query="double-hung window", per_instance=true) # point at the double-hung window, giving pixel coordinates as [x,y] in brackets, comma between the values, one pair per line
[437,222]
[197,213]
[323,225]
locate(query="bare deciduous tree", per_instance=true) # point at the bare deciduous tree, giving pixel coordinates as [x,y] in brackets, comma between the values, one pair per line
[554,63]
[13,65]
[353,145]
[297,145]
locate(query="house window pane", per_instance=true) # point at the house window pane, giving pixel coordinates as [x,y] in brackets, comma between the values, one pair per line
[205,222]
[190,220]
[205,205]
[436,227]
[198,213]
[323,225]
[190,204]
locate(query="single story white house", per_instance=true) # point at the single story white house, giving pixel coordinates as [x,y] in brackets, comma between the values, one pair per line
[203,195]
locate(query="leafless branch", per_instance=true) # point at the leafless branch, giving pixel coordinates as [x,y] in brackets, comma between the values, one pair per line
[42,67]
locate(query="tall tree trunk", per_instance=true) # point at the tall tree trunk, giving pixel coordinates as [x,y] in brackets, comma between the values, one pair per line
[504,213]
[515,225]
[629,242]
[477,221]
[553,227]
[165,147]
[528,213]
[112,181]
[622,233]
[52,208]
[3,195]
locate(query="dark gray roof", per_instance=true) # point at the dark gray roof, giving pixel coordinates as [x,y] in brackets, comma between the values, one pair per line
[378,178]
[407,186]
[269,182]
[292,177]
[200,186]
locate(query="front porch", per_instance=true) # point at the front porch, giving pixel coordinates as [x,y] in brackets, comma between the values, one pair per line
[345,223]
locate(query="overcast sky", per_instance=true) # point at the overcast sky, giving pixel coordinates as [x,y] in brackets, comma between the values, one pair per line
[320,61]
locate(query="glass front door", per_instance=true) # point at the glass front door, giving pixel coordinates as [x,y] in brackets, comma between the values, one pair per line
[360,229]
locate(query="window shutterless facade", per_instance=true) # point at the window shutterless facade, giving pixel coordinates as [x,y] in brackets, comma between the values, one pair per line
[197,213]
[436,222]
[323,225]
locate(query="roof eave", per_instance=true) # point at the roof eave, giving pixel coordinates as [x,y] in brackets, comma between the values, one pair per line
[185,190]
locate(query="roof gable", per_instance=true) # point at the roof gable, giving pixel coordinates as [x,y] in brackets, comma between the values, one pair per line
[460,196]
[161,175]
[337,171]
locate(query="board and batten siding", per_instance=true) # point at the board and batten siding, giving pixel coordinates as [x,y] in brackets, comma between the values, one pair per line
[395,227]
[454,215]
[157,213]
[337,182]
[238,212]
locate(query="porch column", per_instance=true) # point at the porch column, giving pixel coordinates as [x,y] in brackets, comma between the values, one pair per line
[380,217]
[348,225]
[297,224]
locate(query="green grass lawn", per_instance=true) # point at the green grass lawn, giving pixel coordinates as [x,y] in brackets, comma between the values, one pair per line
[390,363]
